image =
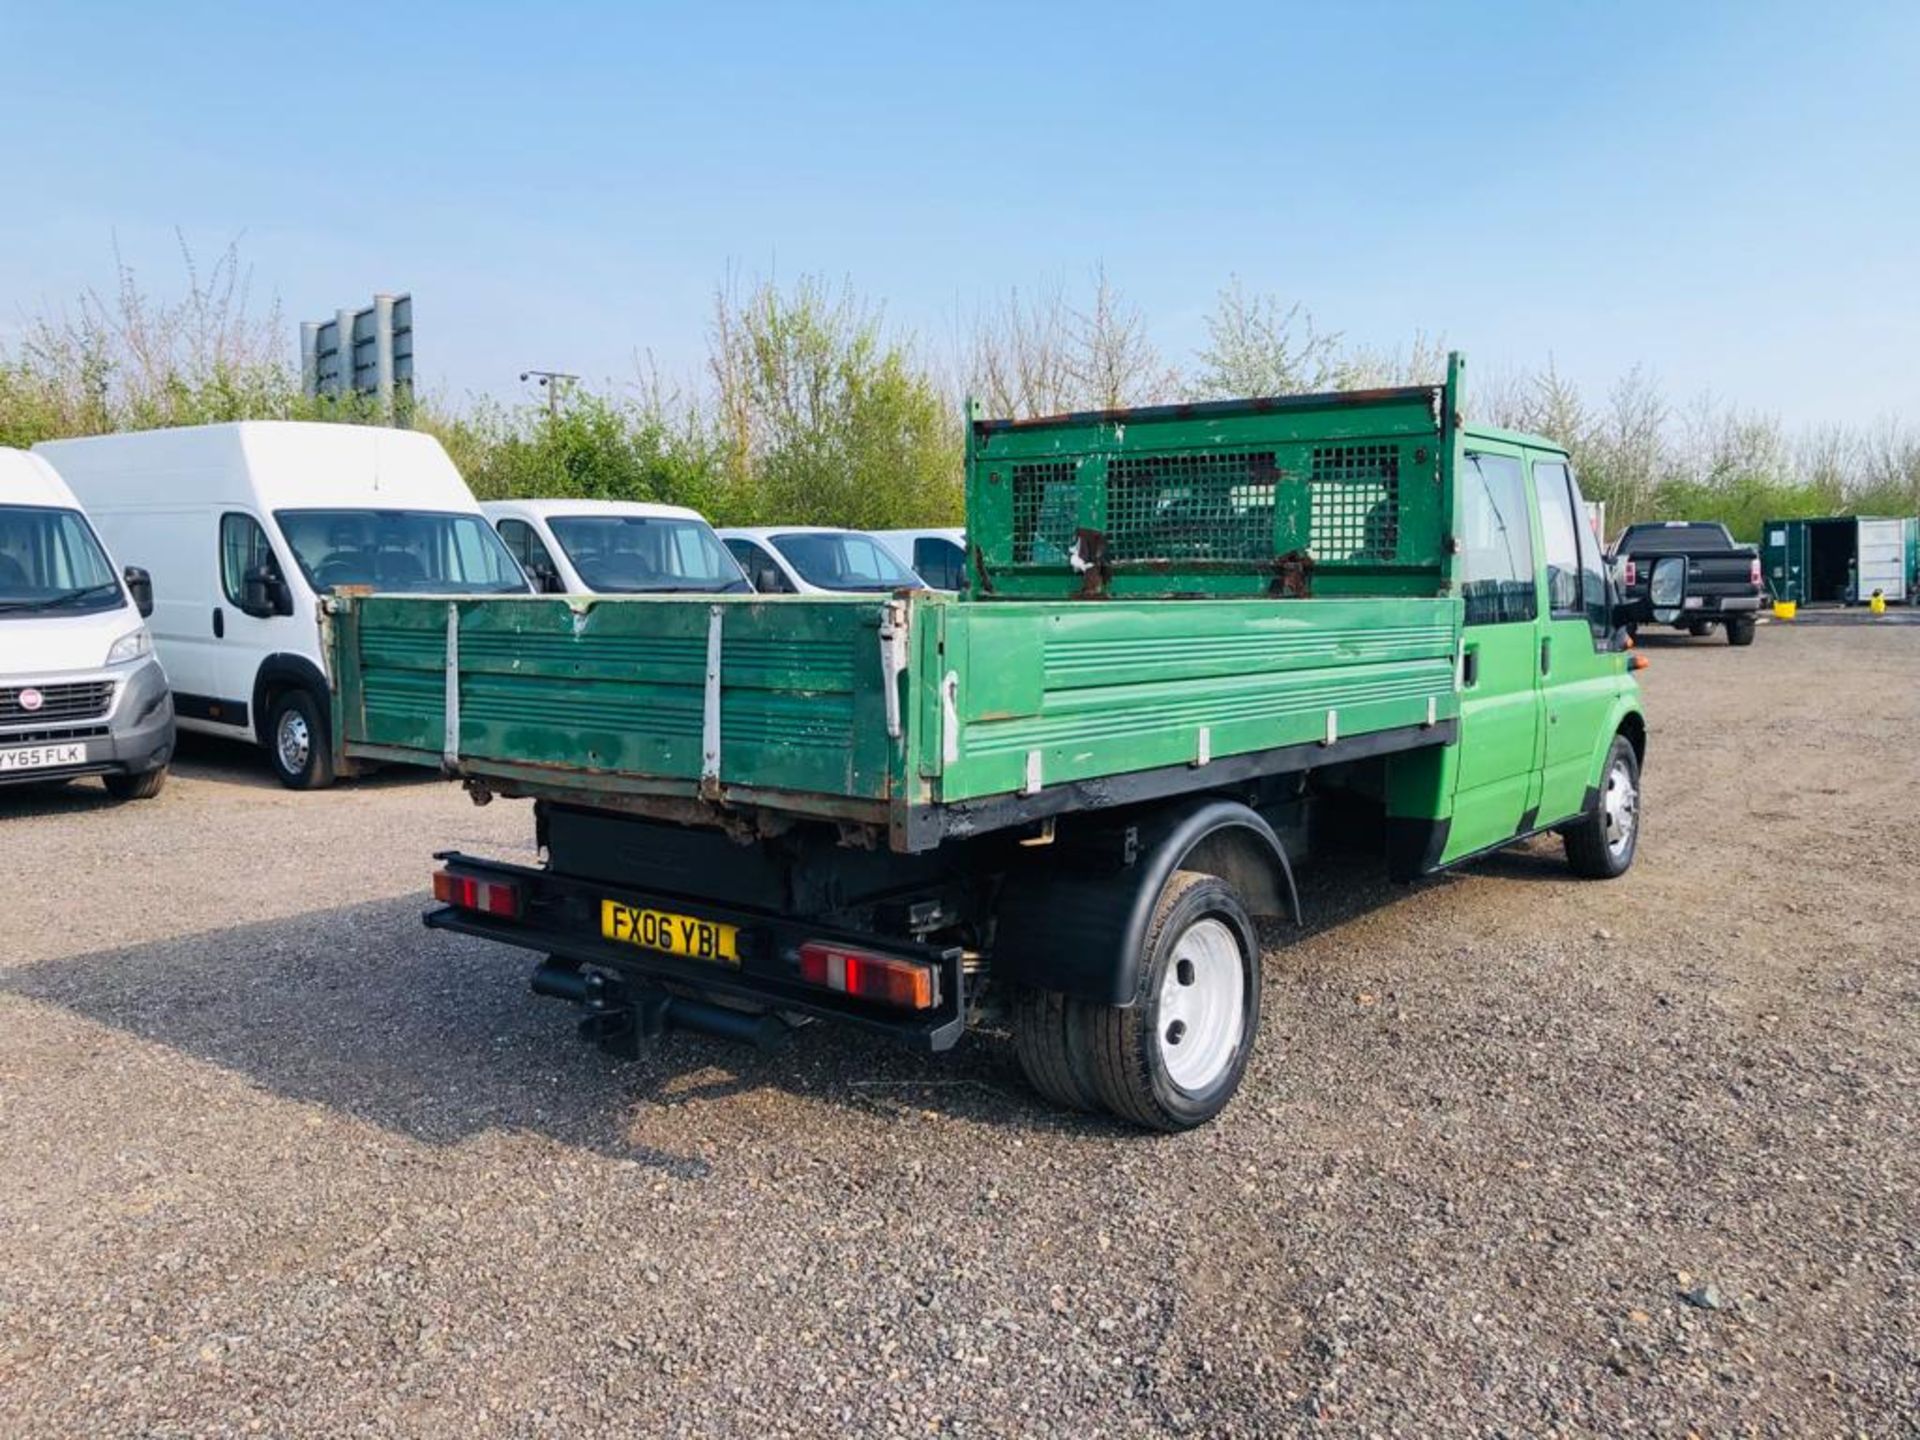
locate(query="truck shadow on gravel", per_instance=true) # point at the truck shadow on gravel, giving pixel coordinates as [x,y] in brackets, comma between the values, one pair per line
[435,1036]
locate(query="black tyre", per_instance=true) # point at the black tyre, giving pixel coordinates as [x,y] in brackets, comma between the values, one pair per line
[1049,1040]
[1601,844]
[1173,1058]
[297,742]
[1740,632]
[136,787]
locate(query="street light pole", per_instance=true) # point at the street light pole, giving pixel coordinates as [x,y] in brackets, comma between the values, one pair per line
[551,380]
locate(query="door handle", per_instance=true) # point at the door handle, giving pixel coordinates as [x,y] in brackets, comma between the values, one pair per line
[1470,667]
[219,623]
[1546,654]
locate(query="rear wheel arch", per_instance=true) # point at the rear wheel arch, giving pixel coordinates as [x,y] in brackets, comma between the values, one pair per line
[1082,934]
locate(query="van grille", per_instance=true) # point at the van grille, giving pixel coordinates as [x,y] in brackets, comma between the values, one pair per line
[87,700]
[59,735]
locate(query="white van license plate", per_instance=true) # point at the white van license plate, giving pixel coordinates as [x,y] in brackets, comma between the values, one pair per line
[42,757]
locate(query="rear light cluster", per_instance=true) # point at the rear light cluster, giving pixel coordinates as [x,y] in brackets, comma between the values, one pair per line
[908,984]
[1753,571]
[1633,572]
[490,897]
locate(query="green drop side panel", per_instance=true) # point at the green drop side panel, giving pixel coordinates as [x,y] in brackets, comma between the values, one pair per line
[1104,689]
[617,688]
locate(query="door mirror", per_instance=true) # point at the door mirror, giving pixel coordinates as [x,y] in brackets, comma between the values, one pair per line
[265,593]
[1667,588]
[140,587]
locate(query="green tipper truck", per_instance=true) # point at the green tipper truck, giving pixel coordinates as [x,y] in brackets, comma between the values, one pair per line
[1192,636]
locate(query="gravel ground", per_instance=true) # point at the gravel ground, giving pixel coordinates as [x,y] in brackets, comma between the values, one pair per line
[1518,1155]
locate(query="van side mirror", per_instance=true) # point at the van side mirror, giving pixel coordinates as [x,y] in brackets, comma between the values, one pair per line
[264,593]
[1667,588]
[140,587]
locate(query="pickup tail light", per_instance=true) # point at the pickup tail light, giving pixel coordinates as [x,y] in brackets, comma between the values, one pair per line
[489,897]
[869,975]
[1633,572]
[1753,571]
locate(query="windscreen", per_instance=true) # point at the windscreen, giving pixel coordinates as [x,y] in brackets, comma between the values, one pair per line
[844,560]
[1673,539]
[646,554]
[50,563]
[397,551]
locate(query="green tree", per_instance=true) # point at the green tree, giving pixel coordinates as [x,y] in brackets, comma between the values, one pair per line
[822,418]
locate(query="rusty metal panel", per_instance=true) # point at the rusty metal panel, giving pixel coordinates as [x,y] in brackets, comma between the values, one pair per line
[618,686]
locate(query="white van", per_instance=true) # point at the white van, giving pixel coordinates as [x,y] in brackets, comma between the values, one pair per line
[80,690]
[615,547]
[245,526]
[817,560]
[938,556]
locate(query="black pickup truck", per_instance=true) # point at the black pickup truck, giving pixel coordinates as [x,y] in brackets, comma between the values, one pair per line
[1723,577]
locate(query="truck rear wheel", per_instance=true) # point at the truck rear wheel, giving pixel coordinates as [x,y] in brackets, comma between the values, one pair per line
[1601,843]
[1740,631]
[1049,1040]
[1173,1058]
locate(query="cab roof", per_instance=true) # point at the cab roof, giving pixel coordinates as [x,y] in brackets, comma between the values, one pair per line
[1512,437]
[641,509]
[272,464]
[26,479]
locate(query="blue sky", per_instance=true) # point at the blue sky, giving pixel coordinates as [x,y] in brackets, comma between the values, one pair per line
[1725,192]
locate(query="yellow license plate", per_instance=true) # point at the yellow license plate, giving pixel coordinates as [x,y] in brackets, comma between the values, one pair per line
[669,933]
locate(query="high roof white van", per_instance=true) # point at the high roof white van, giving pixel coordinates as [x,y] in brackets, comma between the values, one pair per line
[615,547]
[817,560]
[80,690]
[246,526]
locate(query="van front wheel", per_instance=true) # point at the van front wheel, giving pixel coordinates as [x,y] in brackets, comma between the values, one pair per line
[297,742]
[136,787]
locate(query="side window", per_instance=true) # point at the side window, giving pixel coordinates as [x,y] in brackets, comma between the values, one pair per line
[243,547]
[1560,536]
[763,572]
[523,543]
[1496,541]
[1593,568]
[939,562]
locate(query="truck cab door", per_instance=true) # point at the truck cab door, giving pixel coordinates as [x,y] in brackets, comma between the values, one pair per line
[1579,673]
[1497,765]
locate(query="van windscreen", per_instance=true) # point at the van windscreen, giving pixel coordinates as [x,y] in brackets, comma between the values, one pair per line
[399,551]
[50,562]
[641,554]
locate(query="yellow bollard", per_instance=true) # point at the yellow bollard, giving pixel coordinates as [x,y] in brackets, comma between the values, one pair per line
[1877,603]
[1785,609]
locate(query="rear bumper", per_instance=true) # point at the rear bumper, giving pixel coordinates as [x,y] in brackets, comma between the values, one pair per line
[1698,607]
[560,917]
[135,737]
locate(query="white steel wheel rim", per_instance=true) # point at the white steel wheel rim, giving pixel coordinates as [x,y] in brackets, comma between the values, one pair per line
[1620,808]
[1202,1005]
[295,742]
